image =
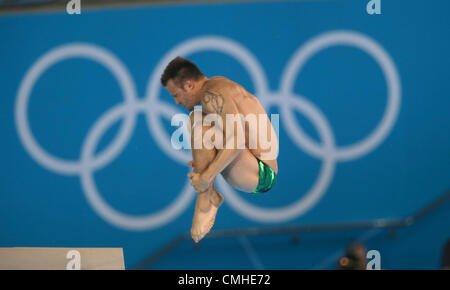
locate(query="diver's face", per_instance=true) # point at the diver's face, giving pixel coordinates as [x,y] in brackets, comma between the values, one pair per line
[182,95]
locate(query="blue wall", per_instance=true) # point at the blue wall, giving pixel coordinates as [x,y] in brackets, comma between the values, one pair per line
[364,127]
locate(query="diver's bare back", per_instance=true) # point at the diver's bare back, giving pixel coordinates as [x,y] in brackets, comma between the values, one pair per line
[246,104]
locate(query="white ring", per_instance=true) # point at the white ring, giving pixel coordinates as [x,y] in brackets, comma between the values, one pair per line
[95,53]
[111,215]
[303,204]
[372,48]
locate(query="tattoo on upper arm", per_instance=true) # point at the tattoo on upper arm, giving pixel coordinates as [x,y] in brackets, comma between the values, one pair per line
[213,102]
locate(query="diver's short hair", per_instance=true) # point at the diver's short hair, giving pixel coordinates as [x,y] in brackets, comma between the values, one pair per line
[179,70]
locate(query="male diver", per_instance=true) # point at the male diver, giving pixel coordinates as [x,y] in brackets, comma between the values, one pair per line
[246,163]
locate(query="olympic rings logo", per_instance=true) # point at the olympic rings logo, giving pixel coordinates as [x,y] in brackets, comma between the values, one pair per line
[285,99]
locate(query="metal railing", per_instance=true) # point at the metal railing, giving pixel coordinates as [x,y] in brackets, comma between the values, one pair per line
[295,230]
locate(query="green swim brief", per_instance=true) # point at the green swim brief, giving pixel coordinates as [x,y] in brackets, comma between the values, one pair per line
[267,178]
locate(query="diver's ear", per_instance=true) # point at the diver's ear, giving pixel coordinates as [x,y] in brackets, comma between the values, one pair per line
[188,85]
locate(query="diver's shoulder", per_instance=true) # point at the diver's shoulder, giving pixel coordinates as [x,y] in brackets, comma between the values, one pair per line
[218,81]
[222,84]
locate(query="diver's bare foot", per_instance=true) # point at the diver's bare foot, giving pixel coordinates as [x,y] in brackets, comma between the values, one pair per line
[203,221]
